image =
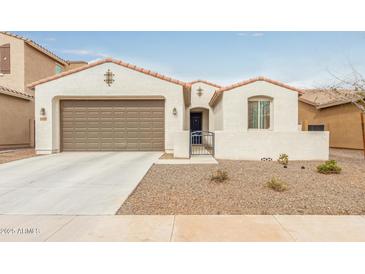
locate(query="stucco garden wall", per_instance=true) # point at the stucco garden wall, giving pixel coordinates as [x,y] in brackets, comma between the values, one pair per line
[301,145]
[89,84]
[182,144]
[236,141]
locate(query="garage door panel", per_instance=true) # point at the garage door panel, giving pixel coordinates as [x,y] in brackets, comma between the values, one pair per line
[112,125]
[157,135]
[132,146]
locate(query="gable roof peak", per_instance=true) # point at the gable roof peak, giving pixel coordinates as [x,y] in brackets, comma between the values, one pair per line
[204,82]
[108,60]
[219,92]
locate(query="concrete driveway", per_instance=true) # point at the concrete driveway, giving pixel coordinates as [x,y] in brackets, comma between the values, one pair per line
[72,183]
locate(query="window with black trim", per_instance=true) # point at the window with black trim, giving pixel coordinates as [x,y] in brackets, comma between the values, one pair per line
[315,127]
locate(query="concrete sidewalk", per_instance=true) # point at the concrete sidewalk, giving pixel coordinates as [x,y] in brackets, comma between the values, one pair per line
[182,228]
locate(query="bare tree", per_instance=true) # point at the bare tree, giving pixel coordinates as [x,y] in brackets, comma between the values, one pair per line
[349,87]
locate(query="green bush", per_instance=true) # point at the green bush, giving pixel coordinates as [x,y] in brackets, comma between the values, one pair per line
[329,167]
[219,176]
[277,185]
[283,159]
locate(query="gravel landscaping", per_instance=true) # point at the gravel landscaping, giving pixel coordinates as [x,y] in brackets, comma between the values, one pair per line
[187,189]
[16,154]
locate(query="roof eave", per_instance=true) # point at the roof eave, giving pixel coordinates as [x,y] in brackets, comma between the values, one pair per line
[108,60]
[187,95]
[17,95]
[204,82]
[214,100]
[219,92]
[333,104]
[45,51]
[36,46]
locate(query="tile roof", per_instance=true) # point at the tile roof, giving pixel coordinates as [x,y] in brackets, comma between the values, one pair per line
[249,81]
[109,60]
[322,98]
[15,93]
[205,82]
[37,46]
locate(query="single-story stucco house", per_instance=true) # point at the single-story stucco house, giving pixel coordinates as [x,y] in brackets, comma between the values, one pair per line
[110,105]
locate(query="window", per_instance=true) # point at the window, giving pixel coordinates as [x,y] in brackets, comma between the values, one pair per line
[58,69]
[259,113]
[315,127]
[5,59]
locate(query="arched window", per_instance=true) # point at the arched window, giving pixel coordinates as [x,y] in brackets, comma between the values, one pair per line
[259,112]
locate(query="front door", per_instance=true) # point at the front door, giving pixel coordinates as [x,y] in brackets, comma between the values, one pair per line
[196,126]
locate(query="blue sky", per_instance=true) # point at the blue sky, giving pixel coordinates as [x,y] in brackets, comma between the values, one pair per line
[302,59]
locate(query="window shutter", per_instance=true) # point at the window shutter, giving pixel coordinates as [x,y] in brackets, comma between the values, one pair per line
[5,59]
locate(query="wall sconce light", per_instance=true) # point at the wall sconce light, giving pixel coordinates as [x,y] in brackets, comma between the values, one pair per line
[43,112]
[174,111]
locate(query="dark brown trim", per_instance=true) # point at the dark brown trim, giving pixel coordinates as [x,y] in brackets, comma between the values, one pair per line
[61,123]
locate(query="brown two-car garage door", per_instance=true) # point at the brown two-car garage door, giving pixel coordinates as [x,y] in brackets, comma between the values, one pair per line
[112,125]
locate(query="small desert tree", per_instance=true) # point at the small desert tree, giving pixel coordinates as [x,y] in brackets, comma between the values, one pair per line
[350,88]
[353,83]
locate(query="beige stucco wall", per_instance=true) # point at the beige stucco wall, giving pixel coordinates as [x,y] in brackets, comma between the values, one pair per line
[236,141]
[75,64]
[27,65]
[16,123]
[201,104]
[218,115]
[89,84]
[284,106]
[342,121]
[300,145]
[37,65]
[181,144]
[14,80]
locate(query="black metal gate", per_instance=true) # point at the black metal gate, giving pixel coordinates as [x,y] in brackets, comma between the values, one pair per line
[201,143]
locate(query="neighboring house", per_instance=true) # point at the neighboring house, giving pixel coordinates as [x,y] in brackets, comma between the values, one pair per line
[332,111]
[110,105]
[22,61]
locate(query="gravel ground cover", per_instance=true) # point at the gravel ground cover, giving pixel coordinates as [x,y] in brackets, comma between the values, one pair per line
[187,189]
[167,156]
[16,154]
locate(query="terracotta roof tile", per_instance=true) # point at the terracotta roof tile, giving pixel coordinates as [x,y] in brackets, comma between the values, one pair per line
[260,78]
[322,98]
[249,81]
[107,60]
[205,82]
[15,93]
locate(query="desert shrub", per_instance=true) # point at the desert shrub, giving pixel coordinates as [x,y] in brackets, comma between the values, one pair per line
[329,167]
[277,185]
[219,176]
[283,159]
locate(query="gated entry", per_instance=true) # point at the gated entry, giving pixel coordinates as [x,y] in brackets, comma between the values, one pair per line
[201,143]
